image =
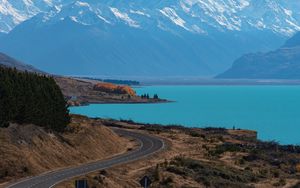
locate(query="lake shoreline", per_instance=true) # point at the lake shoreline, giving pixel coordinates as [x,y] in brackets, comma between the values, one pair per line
[123,102]
[246,107]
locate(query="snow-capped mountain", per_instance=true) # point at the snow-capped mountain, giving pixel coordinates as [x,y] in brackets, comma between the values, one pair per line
[139,37]
[198,16]
[14,12]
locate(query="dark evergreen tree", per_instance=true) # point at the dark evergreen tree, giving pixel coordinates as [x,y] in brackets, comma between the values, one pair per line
[155,96]
[31,98]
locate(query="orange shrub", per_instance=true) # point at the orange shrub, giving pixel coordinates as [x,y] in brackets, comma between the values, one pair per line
[115,89]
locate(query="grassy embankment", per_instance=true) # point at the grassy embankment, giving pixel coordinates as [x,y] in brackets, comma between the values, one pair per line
[28,150]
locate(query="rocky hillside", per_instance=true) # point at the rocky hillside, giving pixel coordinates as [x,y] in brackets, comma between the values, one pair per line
[283,63]
[30,150]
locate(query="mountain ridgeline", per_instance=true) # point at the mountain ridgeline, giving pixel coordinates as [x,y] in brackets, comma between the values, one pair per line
[7,61]
[283,63]
[28,98]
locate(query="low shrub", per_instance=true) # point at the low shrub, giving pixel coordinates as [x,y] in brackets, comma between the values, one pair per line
[210,174]
[280,183]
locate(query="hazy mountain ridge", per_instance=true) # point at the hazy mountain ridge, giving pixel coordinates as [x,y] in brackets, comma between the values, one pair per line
[283,63]
[12,63]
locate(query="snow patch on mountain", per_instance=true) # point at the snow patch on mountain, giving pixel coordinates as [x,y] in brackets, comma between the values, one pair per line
[8,10]
[49,2]
[293,24]
[197,29]
[74,19]
[259,24]
[82,4]
[124,17]
[243,4]
[140,13]
[104,19]
[13,13]
[288,12]
[172,15]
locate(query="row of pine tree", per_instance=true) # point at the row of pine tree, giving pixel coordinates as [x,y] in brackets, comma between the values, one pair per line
[31,98]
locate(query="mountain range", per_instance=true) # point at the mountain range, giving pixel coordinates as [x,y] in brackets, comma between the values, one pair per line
[143,38]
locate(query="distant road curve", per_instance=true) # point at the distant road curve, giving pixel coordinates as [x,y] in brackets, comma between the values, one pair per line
[148,145]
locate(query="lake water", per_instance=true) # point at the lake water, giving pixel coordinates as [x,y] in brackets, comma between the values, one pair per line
[273,111]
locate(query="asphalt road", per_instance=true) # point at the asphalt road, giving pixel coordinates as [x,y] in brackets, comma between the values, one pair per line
[148,145]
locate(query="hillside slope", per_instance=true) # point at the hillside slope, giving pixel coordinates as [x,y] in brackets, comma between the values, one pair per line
[283,63]
[8,61]
[30,150]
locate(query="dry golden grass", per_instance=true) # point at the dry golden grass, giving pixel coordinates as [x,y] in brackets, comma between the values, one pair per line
[30,150]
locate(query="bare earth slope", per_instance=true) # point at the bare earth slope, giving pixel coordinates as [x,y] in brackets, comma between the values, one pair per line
[30,150]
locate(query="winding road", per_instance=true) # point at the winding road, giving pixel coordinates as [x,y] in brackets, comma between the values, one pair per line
[148,145]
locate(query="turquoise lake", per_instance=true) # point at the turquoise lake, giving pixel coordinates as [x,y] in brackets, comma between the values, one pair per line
[273,111]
